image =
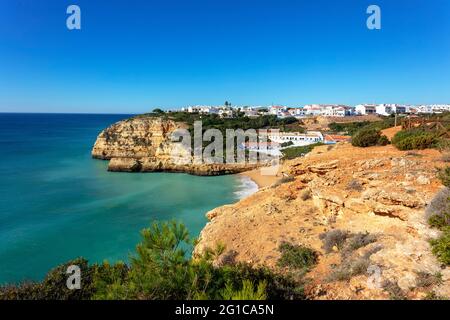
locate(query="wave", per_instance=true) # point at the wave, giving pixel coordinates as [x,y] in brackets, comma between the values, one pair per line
[246,187]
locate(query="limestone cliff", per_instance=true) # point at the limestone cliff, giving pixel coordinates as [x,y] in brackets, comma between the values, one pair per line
[143,144]
[378,190]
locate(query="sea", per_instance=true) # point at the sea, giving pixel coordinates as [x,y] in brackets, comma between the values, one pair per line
[57,203]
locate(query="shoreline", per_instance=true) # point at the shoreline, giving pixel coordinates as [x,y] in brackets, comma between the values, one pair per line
[261,181]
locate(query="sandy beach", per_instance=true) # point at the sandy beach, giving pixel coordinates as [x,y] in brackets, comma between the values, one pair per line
[261,180]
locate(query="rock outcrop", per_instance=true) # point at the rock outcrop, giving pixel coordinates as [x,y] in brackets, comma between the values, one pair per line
[379,190]
[144,144]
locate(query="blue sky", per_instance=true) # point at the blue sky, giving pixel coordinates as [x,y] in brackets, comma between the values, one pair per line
[131,56]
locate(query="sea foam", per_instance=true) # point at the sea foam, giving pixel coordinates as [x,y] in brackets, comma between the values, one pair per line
[246,187]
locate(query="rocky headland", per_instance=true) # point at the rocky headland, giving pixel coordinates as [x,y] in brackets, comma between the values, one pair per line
[144,144]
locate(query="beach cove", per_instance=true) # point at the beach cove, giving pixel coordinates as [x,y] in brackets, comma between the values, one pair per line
[57,203]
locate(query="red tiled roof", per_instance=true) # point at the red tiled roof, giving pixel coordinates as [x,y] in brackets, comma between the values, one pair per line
[335,137]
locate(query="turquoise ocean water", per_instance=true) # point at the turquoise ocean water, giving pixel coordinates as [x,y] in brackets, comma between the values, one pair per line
[56,203]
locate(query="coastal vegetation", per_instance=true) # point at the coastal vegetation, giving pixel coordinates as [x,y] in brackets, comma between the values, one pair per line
[346,243]
[295,152]
[351,128]
[296,257]
[368,137]
[438,216]
[161,269]
[414,139]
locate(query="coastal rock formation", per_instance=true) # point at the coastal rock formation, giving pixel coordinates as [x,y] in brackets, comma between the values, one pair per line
[144,144]
[378,190]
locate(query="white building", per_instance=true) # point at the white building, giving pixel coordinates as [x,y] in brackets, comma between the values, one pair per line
[365,109]
[277,110]
[297,138]
[384,109]
[312,110]
[296,112]
[335,111]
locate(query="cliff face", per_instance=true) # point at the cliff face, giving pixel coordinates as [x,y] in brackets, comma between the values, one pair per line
[143,144]
[377,190]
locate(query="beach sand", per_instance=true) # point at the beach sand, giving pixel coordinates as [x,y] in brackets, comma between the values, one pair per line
[261,180]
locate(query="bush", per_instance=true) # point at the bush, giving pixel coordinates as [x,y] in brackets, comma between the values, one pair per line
[441,246]
[349,269]
[368,137]
[161,269]
[296,257]
[414,139]
[248,292]
[54,286]
[356,241]
[295,152]
[420,142]
[394,290]
[333,238]
[437,212]
[383,141]
[425,279]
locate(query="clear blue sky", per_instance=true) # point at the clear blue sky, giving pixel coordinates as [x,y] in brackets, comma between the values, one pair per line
[131,56]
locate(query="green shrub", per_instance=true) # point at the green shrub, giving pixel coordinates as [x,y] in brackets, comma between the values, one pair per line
[247,292]
[419,142]
[383,141]
[414,139]
[441,246]
[162,269]
[54,285]
[369,137]
[352,127]
[296,257]
[295,152]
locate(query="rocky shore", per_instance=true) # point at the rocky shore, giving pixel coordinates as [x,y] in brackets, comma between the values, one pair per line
[378,191]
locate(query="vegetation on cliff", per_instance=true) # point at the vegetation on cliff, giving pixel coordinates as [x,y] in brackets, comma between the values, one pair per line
[369,137]
[438,215]
[351,128]
[295,152]
[161,269]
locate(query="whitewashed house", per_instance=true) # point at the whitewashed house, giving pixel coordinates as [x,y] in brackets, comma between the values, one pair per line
[365,109]
[296,112]
[384,109]
[335,111]
[297,138]
[312,110]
